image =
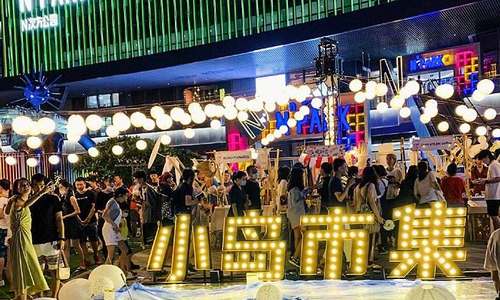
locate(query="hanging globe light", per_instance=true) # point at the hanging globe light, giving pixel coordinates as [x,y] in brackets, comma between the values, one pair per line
[464,128]
[34,142]
[10,160]
[186,119]
[189,133]
[215,124]
[112,131]
[486,86]
[445,91]
[256,105]
[121,121]
[54,160]
[73,137]
[270,107]
[264,142]
[164,122]
[177,113]
[413,87]
[228,101]
[94,122]
[46,125]
[157,111]
[443,126]
[470,115]
[194,107]
[461,110]
[397,102]
[355,85]
[381,89]
[370,87]
[199,117]
[481,131]
[149,124]
[93,152]
[137,119]
[304,91]
[405,112]
[359,97]
[32,162]
[277,134]
[382,107]
[141,145]
[304,109]
[316,103]
[431,111]
[283,129]
[291,122]
[299,116]
[165,139]
[424,118]
[270,137]
[241,104]
[242,116]
[478,96]
[490,114]
[431,103]
[210,110]
[73,158]
[496,133]
[117,150]
[230,113]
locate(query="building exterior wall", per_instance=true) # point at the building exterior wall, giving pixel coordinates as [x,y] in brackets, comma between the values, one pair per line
[58,34]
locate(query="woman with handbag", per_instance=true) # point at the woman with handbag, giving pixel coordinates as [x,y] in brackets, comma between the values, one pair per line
[365,201]
[426,188]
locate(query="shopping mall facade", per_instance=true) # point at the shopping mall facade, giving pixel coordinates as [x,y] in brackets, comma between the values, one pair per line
[127,55]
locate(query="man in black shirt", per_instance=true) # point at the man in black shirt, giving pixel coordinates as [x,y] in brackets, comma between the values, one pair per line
[324,181]
[86,201]
[236,195]
[183,200]
[47,230]
[151,208]
[252,188]
[339,192]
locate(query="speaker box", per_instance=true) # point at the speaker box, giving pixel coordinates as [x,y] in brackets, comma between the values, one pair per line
[216,276]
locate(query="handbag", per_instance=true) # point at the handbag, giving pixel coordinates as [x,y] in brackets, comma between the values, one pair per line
[63,273]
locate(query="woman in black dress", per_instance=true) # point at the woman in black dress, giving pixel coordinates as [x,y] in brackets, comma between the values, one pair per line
[72,228]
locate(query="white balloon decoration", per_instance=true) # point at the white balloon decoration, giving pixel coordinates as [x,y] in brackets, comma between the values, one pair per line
[228,101]
[141,145]
[490,114]
[164,122]
[94,122]
[382,107]
[445,91]
[73,158]
[405,112]
[93,152]
[137,119]
[397,102]
[486,86]
[381,89]
[46,125]
[112,131]
[215,124]
[443,126]
[21,125]
[478,96]
[121,121]
[360,97]
[464,128]
[481,131]
[117,150]
[34,142]
[460,110]
[32,162]
[355,85]
[165,139]
[149,124]
[189,133]
[10,160]
[54,160]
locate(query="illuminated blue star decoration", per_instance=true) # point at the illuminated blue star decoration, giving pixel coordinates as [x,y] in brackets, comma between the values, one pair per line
[37,91]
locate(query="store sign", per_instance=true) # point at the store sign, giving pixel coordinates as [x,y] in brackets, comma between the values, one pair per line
[433,143]
[44,21]
[422,63]
[428,238]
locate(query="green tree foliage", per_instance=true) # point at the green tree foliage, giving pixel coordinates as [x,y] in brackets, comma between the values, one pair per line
[132,159]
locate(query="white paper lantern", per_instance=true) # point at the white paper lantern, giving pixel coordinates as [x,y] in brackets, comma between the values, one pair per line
[445,91]
[21,125]
[194,107]
[304,91]
[149,124]
[397,102]
[189,133]
[460,110]
[270,137]
[32,162]
[73,158]
[242,116]
[470,115]
[304,109]
[355,85]
[54,160]
[121,121]
[277,134]
[464,128]
[10,160]
[76,119]
[404,92]
[186,119]
[486,86]
[382,107]
[316,103]
[219,111]
[164,122]
[381,89]
[210,110]
[76,128]
[34,142]
[264,142]
[117,150]
[370,87]
[228,101]
[496,133]
[429,292]
[165,139]
[230,113]
[360,97]
[46,125]
[478,96]
[443,126]
[112,131]
[215,124]
[299,116]
[73,137]
[256,105]
[431,111]
[241,104]
[199,117]
[283,129]
[94,122]
[490,114]
[93,152]
[413,87]
[76,289]
[424,118]
[270,107]
[291,122]
[481,131]
[405,112]
[141,145]
[137,119]
[431,103]
[177,113]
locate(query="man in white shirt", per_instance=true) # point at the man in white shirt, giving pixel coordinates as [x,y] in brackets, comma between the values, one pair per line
[492,187]
[4,225]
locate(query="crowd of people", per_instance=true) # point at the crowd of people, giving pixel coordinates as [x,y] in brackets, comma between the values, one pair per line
[97,217]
